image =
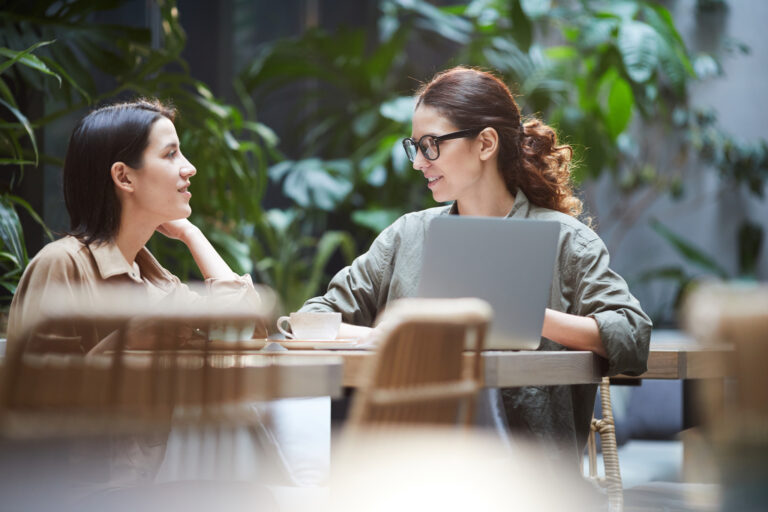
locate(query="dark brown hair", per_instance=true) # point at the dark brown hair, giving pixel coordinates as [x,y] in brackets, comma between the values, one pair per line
[530,157]
[114,133]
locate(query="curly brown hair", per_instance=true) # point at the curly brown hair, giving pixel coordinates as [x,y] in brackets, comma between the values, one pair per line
[530,157]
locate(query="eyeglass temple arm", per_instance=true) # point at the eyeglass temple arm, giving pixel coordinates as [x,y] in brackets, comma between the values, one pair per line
[458,134]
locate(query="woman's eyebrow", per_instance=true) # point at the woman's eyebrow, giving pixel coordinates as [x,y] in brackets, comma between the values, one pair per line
[171,145]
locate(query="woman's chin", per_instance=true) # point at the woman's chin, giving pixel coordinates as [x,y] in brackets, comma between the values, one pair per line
[440,198]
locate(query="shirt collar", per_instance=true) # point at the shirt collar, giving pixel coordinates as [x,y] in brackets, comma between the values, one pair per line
[521,208]
[111,262]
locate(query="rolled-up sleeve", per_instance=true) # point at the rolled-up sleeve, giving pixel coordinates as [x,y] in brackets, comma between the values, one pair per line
[359,290]
[602,294]
[235,290]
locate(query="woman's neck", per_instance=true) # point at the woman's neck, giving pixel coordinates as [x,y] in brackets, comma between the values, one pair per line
[491,200]
[496,208]
[131,237]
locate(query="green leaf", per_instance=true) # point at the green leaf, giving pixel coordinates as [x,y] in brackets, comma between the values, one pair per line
[561,52]
[238,251]
[670,273]
[535,8]
[326,246]
[706,66]
[620,102]
[626,10]
[638,45]
[10,286]
[376,220]
[6,93]
[451,27]
[15,161]
[398,109]
[4,255]
[688,251]
[751,236]
[60,70]
[32,213]
[27,127]
[10,231]
[597,32]
[25,57]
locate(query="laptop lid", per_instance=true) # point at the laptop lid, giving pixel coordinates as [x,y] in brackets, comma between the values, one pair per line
[507,262]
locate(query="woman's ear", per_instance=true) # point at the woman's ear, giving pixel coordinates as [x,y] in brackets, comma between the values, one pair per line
[489,143]
[121,176]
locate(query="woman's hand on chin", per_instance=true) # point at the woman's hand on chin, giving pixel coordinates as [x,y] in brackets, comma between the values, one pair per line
[177,229]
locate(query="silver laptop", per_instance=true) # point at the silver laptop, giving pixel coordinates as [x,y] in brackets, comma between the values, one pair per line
[507,262]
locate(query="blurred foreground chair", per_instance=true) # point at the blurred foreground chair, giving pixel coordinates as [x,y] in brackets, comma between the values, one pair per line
[735,413]
[97,424]
[451,470]
[49,385]
[418,373]
[606,428]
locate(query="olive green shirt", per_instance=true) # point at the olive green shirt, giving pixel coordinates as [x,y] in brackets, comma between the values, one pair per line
[583,284]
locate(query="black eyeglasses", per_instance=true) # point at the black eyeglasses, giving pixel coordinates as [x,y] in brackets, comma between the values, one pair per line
[430,145]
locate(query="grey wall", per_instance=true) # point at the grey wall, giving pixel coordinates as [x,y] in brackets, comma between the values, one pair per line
[711,209]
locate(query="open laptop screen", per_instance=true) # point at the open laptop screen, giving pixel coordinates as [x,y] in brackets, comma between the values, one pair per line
[507,262]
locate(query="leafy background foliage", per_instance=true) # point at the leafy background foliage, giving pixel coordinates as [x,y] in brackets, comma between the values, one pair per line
[605,74]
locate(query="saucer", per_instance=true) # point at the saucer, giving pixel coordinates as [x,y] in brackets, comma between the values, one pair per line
[318,344]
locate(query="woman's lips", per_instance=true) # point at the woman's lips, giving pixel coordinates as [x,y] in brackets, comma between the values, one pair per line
[433,181]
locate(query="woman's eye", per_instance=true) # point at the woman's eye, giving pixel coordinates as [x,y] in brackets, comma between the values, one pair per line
[172,154]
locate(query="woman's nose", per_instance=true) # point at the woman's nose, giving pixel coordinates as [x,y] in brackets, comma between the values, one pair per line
[188,170]
[419,162]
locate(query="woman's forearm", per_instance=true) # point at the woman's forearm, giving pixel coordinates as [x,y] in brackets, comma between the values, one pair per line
[572,331]
[210,263]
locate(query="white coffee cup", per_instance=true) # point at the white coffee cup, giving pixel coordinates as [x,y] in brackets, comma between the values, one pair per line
[311,325]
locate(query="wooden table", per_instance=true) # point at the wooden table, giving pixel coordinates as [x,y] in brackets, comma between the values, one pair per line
[181,378]
[675,355]
[672,356]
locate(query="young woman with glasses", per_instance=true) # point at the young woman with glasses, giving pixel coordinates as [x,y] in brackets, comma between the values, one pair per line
[475,151]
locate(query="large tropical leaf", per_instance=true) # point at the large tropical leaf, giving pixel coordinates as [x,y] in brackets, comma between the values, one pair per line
[692,254]
[639,47]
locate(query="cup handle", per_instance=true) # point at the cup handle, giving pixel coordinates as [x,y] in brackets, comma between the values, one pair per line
[280,326]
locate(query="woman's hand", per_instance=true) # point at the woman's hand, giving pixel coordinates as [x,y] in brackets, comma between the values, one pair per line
[177,229]
[209,262]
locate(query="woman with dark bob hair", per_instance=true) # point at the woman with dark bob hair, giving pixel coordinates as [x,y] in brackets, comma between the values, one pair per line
[124,178]
[494,164]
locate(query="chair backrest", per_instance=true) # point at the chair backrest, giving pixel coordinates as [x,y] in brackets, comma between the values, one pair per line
[421,373]
[50,388]
[735,315]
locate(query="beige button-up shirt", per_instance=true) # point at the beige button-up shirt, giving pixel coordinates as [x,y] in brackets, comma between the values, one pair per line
[117,461]
[69,264]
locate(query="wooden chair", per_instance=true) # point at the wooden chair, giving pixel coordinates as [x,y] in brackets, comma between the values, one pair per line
[605,427]
[418,375]
[734,413]
[49,387]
